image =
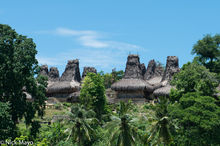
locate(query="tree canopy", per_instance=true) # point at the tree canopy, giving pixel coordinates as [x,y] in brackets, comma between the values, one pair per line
[92,94]
[17,71]
[193,78]
[208,52]
[6,124]
[199,120]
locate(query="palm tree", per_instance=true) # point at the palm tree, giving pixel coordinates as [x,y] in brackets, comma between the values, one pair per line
[80,124]
[121,129]
[160,131]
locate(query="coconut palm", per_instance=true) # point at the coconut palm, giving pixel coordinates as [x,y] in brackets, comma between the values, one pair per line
[160,131]
[121,128]
[80,129]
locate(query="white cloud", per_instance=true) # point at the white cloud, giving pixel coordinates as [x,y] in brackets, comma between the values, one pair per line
[70,32]
[96,50]
[92,39]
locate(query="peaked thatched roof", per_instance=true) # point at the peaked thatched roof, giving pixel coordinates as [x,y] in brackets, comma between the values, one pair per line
[71,71]
[131,84]
[164,91]
[133,68]
[150,70]
[44,70]
[172,67]
[63,87]
[53,74]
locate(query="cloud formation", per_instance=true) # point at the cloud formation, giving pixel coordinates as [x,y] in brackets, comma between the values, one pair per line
[94,39]
[96,50]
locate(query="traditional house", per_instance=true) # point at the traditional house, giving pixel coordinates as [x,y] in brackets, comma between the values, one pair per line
[172,67]
[132,85]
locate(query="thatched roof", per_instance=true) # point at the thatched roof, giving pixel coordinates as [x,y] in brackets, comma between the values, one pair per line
[71,71]
[143,69]
[53,74]
[150,70]
[87,70]
[44,70]
[133,68]
[172,67]
[63,87]
[164,91]
[155,80]
[131,84]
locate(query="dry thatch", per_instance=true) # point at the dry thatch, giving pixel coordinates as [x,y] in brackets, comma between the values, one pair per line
[133,68]
[150,70]
[132,84]
[53,74]
[63,87]
[155,80]
[172,67]
[164,91]
[71,71]
[44,70]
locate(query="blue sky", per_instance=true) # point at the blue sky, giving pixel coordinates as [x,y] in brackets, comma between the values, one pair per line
[102,33]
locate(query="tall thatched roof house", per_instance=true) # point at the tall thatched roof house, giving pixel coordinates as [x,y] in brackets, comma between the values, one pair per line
[172,67]
[68,82]
[65,86]
[132,85]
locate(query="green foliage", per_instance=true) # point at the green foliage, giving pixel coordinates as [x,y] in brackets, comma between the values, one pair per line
[17,71]
[110,78]
[208,52]
[7,126]
[121,129]
[35,125]
[44,142]
[199,119]
[193,78]
[52,134]
[161,124]
[81,121]
[92,94]
[117,75]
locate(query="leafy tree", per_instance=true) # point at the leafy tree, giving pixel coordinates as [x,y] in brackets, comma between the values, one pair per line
[34,129]
[193,78]
[80,129]
[208,52]
[117,75]
[199,120]
[110,78]
[17,71]
[92,94]
[122,129]
[7,127]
